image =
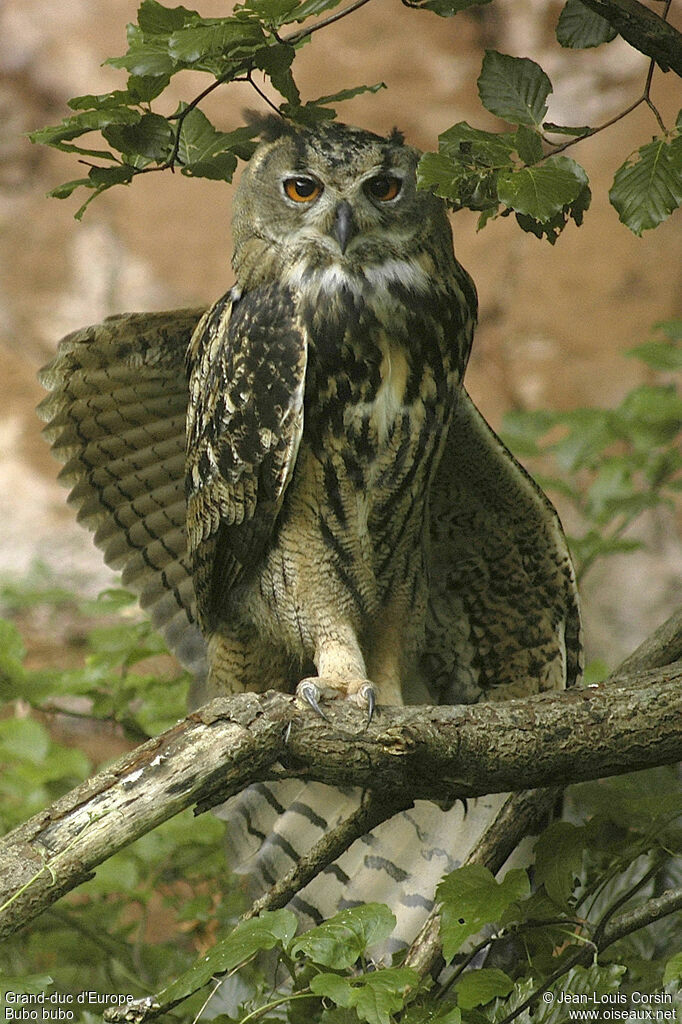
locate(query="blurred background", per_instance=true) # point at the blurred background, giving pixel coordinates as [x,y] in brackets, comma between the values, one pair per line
[554,321]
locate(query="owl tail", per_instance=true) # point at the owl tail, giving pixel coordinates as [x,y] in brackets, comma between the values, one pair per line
[271,826]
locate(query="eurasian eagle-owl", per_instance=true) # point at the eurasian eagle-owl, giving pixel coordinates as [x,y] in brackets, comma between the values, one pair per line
[303,494]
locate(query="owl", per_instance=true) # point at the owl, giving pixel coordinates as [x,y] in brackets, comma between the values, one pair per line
[305,498]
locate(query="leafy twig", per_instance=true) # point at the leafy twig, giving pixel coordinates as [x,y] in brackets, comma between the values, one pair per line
[644,98]
[297,37]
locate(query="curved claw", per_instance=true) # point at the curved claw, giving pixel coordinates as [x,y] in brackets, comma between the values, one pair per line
[309,691]
[368,694]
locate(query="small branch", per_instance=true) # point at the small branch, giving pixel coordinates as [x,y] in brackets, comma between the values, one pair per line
[296,37]
[523,814]
[247,69]
[623,899]
[653,910]
[646,31]
[662,647]
[596,5]
[266,99]
[371,812]
[580,956]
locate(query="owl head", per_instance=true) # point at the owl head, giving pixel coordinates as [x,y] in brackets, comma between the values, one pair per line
[332,198]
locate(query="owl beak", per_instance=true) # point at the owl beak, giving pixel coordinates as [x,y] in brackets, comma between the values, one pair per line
[344,224]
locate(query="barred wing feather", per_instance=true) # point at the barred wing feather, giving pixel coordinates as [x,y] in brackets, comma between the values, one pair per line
[116,419]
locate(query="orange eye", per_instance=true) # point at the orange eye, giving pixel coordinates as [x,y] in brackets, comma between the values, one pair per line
[384,187]
[302,190]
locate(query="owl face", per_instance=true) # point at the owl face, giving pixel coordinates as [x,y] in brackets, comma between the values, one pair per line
[333,199]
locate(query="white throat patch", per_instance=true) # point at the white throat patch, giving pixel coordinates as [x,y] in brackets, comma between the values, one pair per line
[378,277]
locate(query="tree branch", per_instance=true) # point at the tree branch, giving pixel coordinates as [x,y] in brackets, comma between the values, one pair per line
[372,812]
[437,753]
[644,30]
[523,814]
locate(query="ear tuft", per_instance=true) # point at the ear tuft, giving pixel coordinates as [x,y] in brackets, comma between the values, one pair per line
[268,126]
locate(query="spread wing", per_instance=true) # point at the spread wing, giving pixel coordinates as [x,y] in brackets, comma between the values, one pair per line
[503,616]
[116,418]
[247,363]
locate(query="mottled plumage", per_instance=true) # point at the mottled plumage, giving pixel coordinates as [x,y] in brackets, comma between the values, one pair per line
[303,494]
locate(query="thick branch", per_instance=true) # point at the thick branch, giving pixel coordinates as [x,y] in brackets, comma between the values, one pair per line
[523,814]
[423,752]
[57,849]
[643,29]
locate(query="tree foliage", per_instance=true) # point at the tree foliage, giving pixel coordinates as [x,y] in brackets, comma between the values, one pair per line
[521,169]
[601,876]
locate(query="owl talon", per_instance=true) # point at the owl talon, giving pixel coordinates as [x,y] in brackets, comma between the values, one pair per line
[368,695]
[310,692]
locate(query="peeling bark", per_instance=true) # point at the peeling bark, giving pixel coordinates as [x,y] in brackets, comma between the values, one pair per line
[633,721]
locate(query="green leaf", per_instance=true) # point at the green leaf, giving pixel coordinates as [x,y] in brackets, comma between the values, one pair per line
[562,129]
[151,138]
[276,62]
[475,147]
[87,121]
[471,898]
[375,997]
[648,188]
[476,988]
[611,491]
[155,19]
[334,987]
[659,355]
[558,859]
[309,8]
[650,415]
[383,994]
[101,178]
[271,929]
[638,800]
[145,88]
[348,94]
[672,329]
[514,88]
[596,980]
[274,12]
[317,110]
[544,190]
[448,8]
[431,1013]
[27,984]
[594,545]
[23,738]
[596,671]
[207,153]
[117,98]
[12,654]
[146,55]
[673,969]
[219,37]
[579,27]
[464,171]
[343,938]
[528,144]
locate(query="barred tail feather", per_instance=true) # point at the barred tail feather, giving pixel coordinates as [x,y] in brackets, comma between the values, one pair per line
[272,825]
